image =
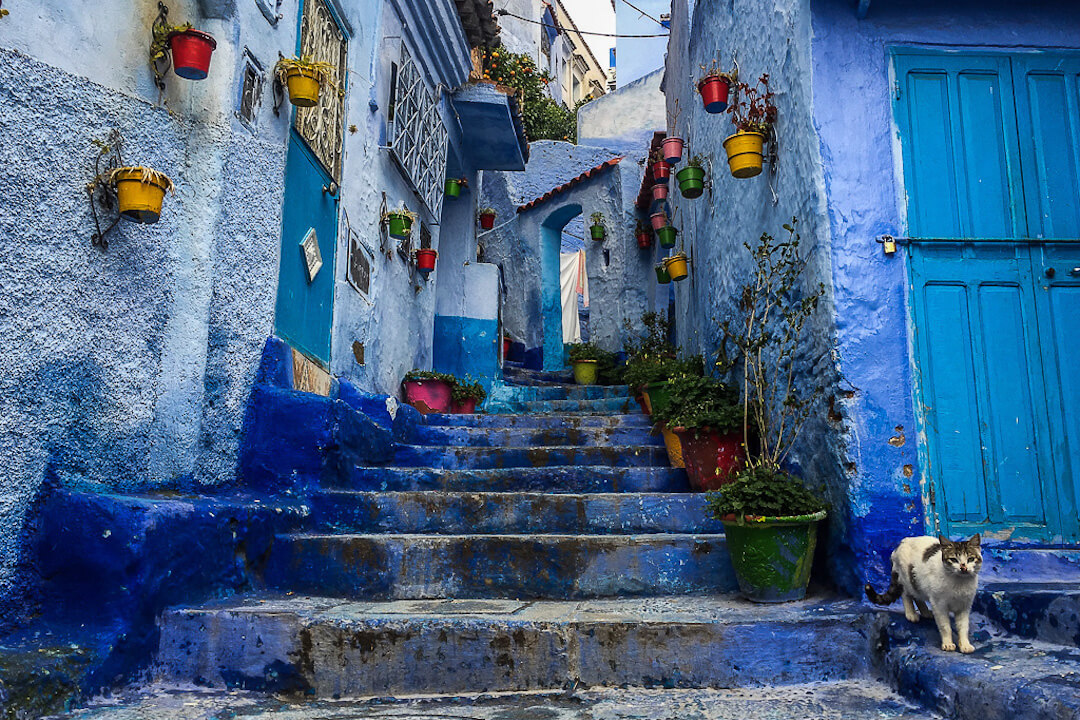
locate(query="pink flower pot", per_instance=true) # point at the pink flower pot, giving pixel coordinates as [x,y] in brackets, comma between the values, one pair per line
[659,192]
[673,147]
[659,220]
[427,396]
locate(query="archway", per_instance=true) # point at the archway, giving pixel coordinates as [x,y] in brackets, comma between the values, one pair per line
[551,230]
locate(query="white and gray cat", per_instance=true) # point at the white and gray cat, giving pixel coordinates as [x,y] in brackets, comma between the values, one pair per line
[941,572]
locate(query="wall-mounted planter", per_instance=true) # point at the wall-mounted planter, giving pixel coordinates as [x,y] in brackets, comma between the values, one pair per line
[744,150]
[659,220]
[667,236]
[452,187]
[662,276]
[691,181]
[659,191]
[428,396]
[303,84]
[661,172]
[191,51]
[644,239]
[140,193]
[673,147]
[399,225]
[712,459]
[714,93]
[487,221]
[676,266]
[596,232]
[585,372]
[425,260]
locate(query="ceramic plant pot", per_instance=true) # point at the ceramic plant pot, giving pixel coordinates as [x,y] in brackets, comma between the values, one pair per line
[662,276]
[714,93]
[673,147]
[585,372]
[140,193]
[711,459]
[667,235]
[425,260]
[744,151]
[772,556]
[673,446]
[691,181]
[191,51]
[303,84]
[506,347]
[658,396]
[427,396]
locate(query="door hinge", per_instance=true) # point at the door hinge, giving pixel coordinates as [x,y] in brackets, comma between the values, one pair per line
[896,90]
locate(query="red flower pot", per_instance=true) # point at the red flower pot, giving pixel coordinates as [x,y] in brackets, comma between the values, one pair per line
[673,147]
[711,459]
[659,191]
[659,220]
[661,172]
[465,407]
[191,50]
[714,93]
[427,396]
[506,347]
[425,260]
[644,240]
[487,221]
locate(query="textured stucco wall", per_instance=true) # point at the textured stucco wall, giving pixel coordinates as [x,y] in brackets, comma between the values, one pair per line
[625,119]
[636,57]
[864,179]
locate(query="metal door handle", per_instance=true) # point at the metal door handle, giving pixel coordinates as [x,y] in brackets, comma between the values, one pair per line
[1049,272]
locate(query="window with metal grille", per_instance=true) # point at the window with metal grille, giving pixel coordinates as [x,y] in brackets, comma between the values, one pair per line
[251,90]
[417,135]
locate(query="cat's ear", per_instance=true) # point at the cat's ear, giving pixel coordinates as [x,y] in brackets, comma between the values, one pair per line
[975,540]
[945,542]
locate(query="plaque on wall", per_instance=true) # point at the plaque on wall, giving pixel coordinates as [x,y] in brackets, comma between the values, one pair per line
[312,256]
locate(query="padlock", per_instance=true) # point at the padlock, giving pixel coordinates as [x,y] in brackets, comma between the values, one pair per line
[888,244]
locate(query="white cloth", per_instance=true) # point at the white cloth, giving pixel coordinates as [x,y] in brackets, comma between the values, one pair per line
[573,281]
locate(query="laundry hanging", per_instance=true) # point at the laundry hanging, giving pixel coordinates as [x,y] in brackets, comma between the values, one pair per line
[573,281]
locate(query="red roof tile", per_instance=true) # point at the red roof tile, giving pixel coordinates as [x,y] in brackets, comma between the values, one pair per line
[570,183]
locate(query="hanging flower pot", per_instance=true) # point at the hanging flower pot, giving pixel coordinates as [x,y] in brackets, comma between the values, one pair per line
[659,191]
[596,230]
[714,91]
[676,266]
[487,218]
[667,236]
[452,188]
[659,220]
[662,276]
[140,193]
[191,50]
[691,181]
[425,260]
[399,224]
[673,147]
[661,172]
[644,238]
[744,151]
[304,79]
[712,459]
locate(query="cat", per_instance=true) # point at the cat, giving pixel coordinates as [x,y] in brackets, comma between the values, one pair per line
[941,572]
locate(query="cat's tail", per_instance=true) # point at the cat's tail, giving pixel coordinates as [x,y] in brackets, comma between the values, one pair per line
[889,596]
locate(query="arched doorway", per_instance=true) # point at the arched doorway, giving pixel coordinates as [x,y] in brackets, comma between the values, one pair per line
[551,230]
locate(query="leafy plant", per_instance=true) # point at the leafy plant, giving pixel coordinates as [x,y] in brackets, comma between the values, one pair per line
[713,70]
[461,390]
[487,211]
[543,118]
[416,374]
[775,310]
[763,492]
[658,368]
[701,403]
[752,108]
[597,218]
[580,352]
[323,72]
[696,161]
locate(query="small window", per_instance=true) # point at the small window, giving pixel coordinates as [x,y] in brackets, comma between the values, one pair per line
[251,90]
[271,10]
[425,237]
[391,104]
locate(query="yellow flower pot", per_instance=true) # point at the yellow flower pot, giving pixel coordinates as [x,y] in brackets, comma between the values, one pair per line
[744,152]
[303,87]
[676,266]
[585,372]
[140,193]
[674,447]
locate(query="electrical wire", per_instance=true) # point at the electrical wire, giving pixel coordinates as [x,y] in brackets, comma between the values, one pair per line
[635,7]
[578,32]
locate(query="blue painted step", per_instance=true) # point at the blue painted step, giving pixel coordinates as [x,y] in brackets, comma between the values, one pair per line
[1045,611]
[504,457]
[570,392]
[605,406]
[323,648]
[533,437]
[552,420]
[499,566]
[566,479]
[511,513]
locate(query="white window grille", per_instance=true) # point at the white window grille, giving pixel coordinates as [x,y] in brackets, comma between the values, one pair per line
[322,126]
[417,135]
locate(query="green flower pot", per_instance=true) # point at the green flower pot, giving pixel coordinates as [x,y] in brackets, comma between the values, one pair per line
[399,225]
[659,396]
[772,556]
[597,232]
[691,181]
[452,188]
[667,235]
[585,372]
[662,276]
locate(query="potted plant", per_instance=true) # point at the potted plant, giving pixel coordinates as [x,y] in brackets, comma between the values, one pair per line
[706,416]
[676,266]
[770,518]
[692,178]
[667,235]
[753,114]
[597,227]
[672,144]
[659,220]
[425,259]
[191,51]
[715,86]
[662,275]
[304,78]
[465,396]
[140,192]
[661,170]
[585,358]
[453,186]
[487,218]
[399,222]
[643,233]
[427,391]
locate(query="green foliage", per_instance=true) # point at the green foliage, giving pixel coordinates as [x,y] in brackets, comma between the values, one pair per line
[658,368]
[415,374]
[543,118]
[463,390]
[699,403]
[764,492]
[695,161]
[650,356]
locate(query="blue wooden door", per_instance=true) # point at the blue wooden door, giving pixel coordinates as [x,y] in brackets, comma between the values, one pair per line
[989,145]
[305,299]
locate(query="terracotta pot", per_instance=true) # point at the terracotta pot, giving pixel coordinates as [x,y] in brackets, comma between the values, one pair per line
[191,50]
[712,459]
[427,396]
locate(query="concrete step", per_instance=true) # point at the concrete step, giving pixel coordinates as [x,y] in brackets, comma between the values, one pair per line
[569,392]
[521,374]
[450,513]
[1047,611]
[383,567]
[566,479]
[848,699]
[554,420]
[525,437]
[617,405]
[481,458]
[1004,679]
[329,648]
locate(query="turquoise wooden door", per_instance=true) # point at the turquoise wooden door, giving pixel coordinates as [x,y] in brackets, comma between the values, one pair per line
[990,163]
[304,310]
